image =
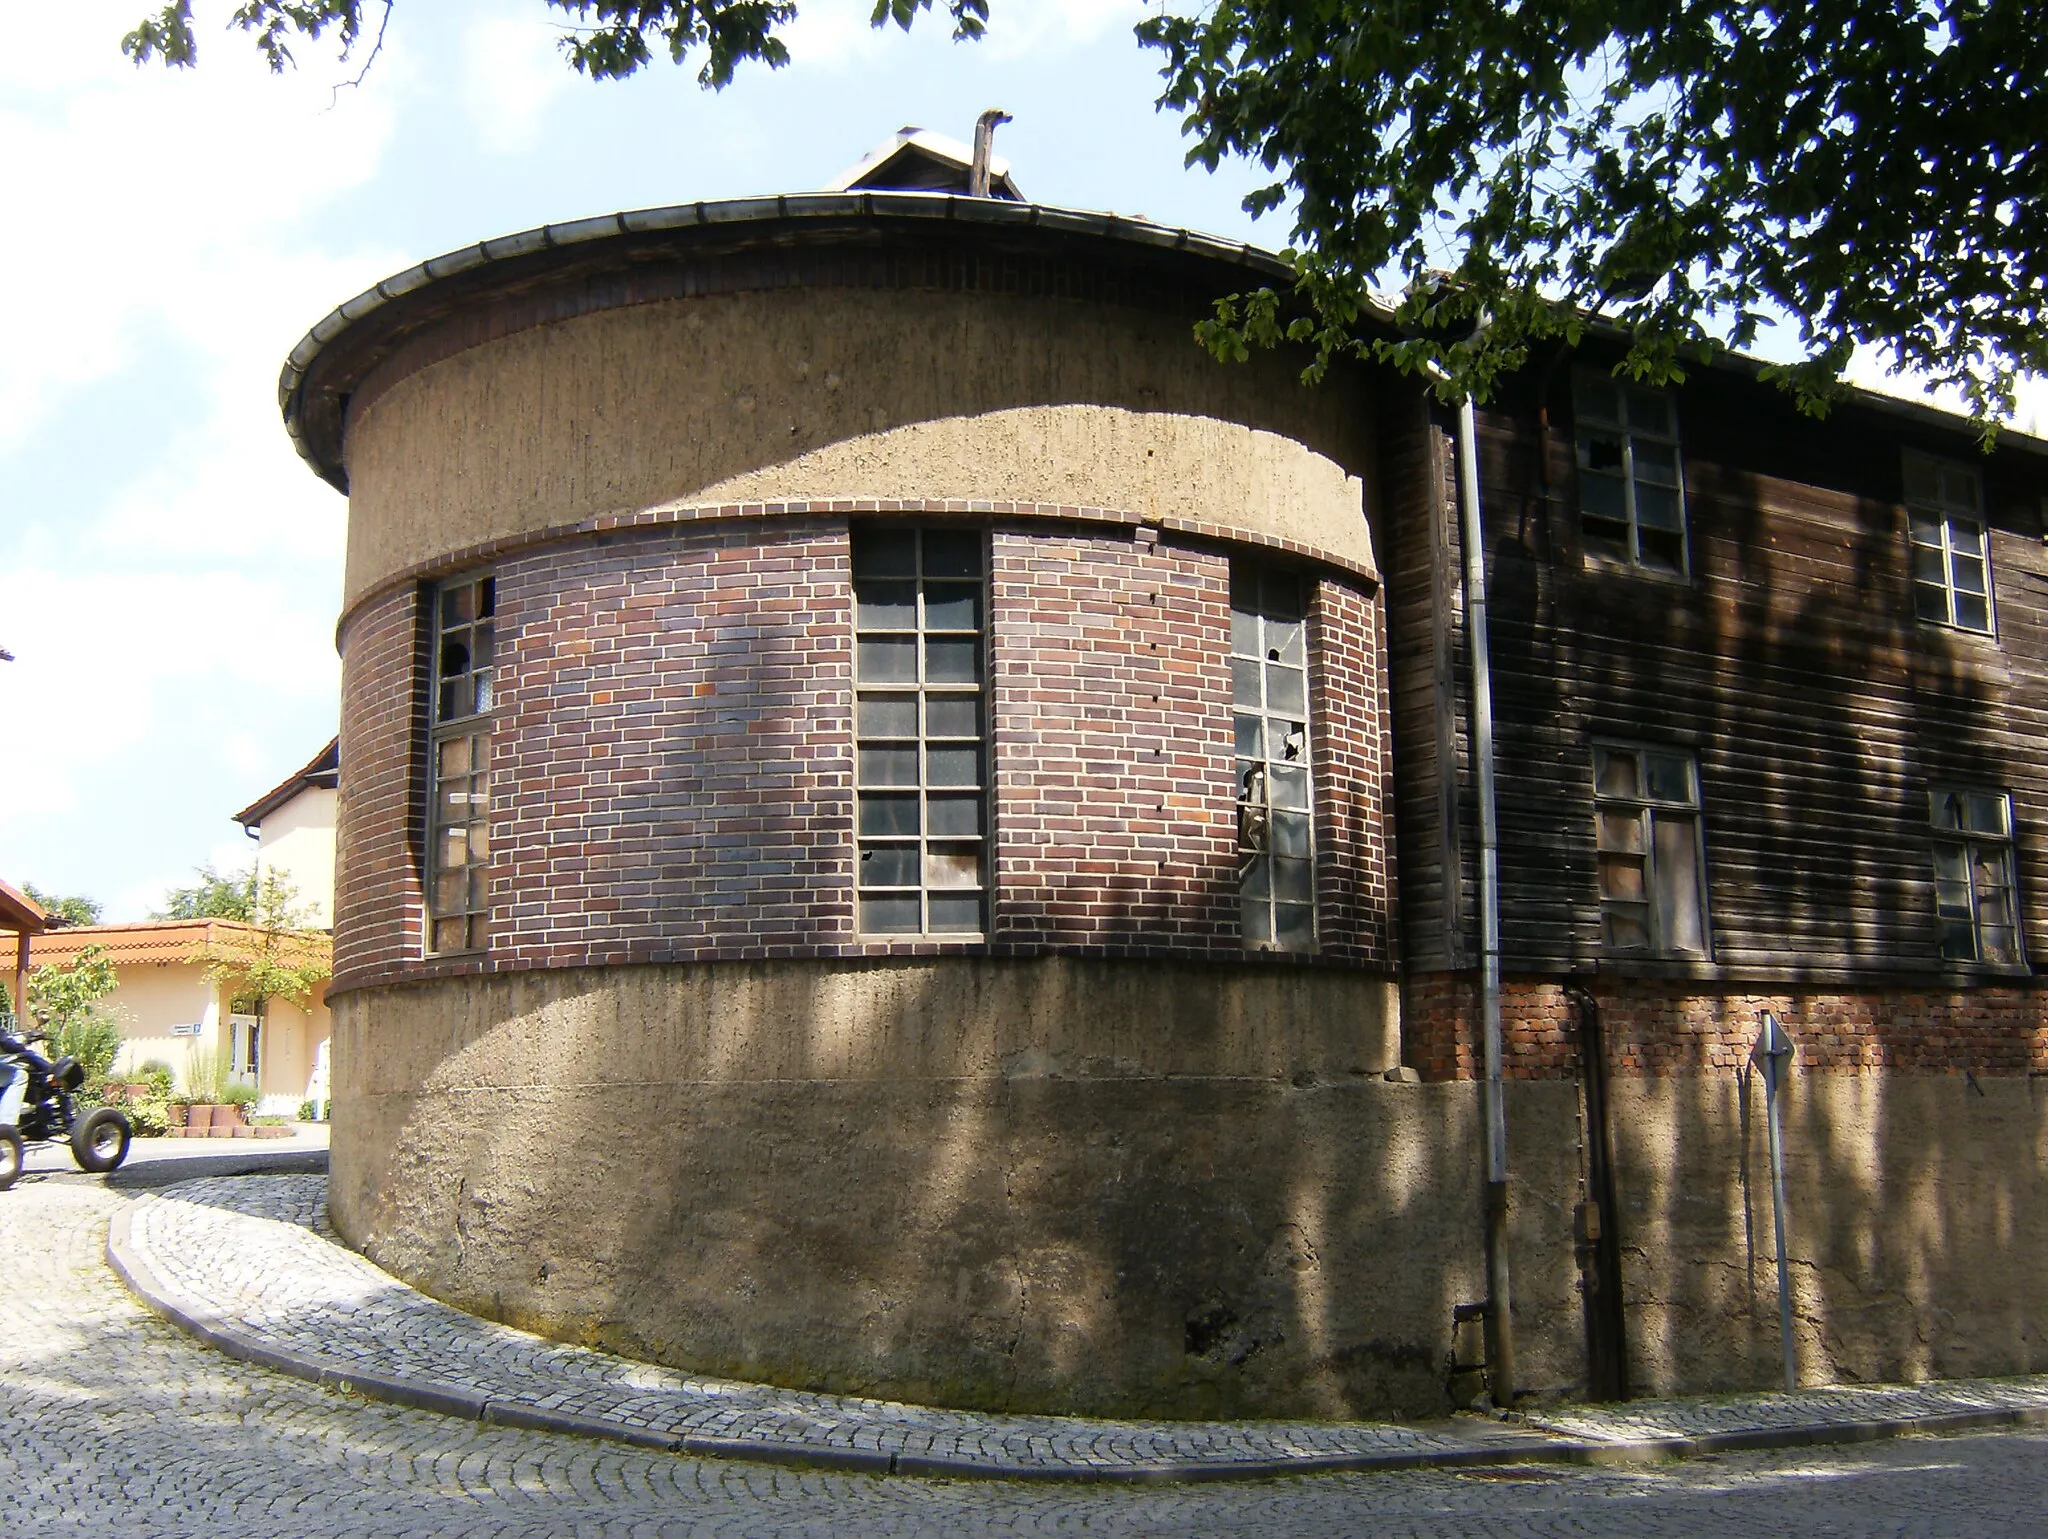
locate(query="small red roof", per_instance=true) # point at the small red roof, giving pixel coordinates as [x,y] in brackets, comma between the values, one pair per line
[20,912]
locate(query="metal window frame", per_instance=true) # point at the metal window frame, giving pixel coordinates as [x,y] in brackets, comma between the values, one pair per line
[1647,808]
[2007,844]
[1582,419]
[475,726]
[920,691]
[1257,573]
[1945,514]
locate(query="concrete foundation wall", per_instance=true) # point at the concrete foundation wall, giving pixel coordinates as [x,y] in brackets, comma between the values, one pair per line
[1051,1185]
[1918,1221]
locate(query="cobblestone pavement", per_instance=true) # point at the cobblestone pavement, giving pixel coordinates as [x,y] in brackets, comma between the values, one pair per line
[113,1422]
[254,1261]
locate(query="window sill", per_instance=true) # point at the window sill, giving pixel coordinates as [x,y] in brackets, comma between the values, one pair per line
[1857,973]
[1606,565]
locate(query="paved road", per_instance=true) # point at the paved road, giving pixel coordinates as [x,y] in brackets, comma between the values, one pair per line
[113,1423]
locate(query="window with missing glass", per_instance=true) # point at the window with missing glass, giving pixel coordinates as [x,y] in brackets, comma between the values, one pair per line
[1631,482]
[1951,566]
[1652,871]
[1976,904]
[921,750]
[459,766]
[1275,793]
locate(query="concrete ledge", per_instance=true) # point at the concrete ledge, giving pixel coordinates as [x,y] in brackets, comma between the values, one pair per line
[508,1375]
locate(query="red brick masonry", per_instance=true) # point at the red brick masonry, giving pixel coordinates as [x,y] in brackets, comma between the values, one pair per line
[672,754]
[1661,1028]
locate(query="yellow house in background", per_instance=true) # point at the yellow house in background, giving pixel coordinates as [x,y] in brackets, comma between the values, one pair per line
[169,1006]
[293,826]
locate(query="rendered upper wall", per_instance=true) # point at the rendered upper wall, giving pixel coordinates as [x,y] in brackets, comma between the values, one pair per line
[771,360]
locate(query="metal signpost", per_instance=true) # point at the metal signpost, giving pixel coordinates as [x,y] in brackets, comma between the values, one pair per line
[1772,1052]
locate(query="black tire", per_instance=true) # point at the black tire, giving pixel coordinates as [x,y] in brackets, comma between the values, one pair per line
[10,1158]
[100,1142]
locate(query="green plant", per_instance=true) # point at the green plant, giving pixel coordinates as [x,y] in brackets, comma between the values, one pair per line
[273,1122]
[239,1094]
[150,1118]
[205,1072]
[92,1038]
[159,1078]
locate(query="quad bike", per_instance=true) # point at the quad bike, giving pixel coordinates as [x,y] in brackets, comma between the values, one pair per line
[99,1138]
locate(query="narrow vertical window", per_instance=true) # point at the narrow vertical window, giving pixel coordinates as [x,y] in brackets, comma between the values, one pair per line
[1646,805]
[1976,906]
[459,766]
[1276,881]
[1951,566]
[1631,491]
[921,752]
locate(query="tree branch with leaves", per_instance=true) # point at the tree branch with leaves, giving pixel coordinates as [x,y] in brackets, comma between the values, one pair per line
[1692,174]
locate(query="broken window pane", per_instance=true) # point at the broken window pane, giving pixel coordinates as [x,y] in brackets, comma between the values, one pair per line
[920,769]
[1976,905]
[1945,528]
[1276,875]
[458,804]
[1649,866]
[1631,475]
[1678,884]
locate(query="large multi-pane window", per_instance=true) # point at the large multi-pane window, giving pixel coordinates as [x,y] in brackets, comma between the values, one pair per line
[1276,879]
[459,766]
[1646,809]
[1975,903]
[1631,489]
[921,753]
[1951,567]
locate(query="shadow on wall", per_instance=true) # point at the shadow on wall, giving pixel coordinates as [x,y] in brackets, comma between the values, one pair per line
[1038,1184]
[1917,1219]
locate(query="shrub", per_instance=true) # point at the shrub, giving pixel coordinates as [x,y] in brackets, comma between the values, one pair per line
[313,1111]
[239,1095]
[206,1071]
[92,1038]
[159,1076]
[150,1118]
[273,1122]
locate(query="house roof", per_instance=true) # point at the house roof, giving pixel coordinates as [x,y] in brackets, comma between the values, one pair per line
[21,913]
[918,160]
[161,941]
[321,773]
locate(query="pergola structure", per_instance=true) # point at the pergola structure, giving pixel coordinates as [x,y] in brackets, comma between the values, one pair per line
[25,917]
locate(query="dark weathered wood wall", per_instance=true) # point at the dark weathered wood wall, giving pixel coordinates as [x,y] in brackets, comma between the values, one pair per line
[1790,662]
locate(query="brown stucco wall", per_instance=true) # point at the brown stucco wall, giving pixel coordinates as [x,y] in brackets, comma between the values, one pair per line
[830,393]
[1918,1219]
[1167,1189]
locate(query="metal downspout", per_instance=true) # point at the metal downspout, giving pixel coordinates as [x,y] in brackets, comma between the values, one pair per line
[1500,1346]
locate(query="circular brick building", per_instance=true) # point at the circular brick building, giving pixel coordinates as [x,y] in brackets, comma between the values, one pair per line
[863,838]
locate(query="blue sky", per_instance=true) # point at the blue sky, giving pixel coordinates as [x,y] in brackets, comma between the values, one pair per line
[169,571]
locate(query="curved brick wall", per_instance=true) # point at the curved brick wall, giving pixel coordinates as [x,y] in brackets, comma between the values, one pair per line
[676,1058]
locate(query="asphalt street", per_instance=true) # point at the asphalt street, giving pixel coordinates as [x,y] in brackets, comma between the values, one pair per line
[114,1423]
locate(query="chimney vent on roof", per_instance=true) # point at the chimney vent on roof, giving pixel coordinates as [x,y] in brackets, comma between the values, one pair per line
[984,144]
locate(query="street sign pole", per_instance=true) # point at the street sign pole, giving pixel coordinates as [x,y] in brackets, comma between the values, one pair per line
[1772,1052]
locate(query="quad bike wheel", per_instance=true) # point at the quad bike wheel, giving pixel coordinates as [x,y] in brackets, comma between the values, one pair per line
[10,1157]
[100,1142]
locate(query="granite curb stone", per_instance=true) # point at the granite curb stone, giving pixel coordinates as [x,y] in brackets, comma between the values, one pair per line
[276,1289]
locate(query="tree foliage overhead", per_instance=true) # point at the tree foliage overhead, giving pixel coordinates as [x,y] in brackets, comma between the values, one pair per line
[604,39]
[65,910]
[1691,170]
[1870,172]
[213,896]
[276,955]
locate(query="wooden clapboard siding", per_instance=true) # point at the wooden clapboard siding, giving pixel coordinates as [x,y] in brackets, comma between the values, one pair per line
[1423,652]
[1820,710]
